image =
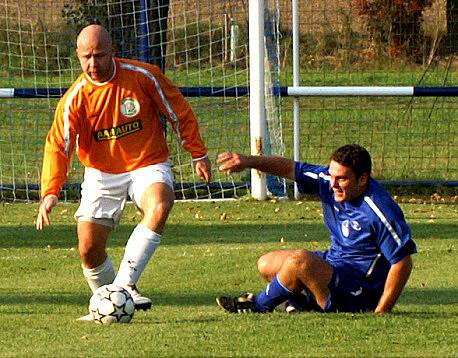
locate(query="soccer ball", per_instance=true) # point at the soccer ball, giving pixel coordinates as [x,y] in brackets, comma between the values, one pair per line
[111,304]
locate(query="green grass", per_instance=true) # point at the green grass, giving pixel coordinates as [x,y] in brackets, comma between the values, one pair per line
[42,290]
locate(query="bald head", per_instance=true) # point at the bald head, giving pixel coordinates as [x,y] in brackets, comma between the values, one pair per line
[93,34]
[95,52]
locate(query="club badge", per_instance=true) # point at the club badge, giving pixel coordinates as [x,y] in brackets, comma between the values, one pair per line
[355,225]
[346,228]
[130,107]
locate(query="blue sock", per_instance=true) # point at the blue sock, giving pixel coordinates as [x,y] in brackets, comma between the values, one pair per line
[274,294]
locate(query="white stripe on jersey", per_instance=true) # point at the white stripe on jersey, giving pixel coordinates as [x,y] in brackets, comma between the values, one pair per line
[159,90]
[315,176]
[324,176]
[311,175]
[382,217]
[369,272]
[67,114]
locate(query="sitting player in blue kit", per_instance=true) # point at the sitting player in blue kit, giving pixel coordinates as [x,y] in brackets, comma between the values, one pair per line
[369,260]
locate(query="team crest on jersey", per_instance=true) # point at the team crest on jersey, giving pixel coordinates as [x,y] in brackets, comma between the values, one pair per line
[347,224]
[130,107]
[355,225]
[346,228]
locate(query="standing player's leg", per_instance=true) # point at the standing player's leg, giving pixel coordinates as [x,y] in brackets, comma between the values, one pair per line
[103,197]
[152,192]
[96,264]
[92,240]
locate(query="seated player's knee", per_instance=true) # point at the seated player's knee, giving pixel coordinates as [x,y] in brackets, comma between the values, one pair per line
[265,267]
[298,262]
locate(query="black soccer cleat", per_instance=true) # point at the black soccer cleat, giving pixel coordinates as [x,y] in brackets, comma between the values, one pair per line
[143,306]
[241,304]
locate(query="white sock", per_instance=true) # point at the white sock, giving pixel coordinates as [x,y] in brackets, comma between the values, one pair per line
[139,248]
[100,275]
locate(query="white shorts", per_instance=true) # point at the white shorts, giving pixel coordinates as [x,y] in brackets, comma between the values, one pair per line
[104,195]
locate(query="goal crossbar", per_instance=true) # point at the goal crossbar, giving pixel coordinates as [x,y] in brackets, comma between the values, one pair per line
[328,91]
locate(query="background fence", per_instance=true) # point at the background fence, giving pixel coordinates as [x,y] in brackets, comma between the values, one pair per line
[204,44]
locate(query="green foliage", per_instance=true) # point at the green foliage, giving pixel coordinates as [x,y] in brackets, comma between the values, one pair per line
[42,290]
[123,27]
[395,26]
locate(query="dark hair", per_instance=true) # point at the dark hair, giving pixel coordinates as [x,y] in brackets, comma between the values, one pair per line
[354,156]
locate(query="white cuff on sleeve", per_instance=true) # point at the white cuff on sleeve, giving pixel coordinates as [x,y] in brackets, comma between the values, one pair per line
[197,159]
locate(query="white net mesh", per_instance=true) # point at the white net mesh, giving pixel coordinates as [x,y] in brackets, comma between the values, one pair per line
[200,44]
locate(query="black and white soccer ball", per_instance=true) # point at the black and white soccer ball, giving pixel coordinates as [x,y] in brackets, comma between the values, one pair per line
[111,304]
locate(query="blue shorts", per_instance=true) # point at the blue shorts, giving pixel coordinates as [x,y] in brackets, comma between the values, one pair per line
[346,294]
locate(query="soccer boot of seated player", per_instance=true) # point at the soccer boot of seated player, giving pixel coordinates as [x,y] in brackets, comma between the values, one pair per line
[241,304]
[140,302]
[288,307]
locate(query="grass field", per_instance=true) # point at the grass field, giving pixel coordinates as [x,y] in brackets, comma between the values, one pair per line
[42,290]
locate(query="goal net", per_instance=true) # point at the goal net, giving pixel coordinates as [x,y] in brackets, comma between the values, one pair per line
[377,43]
[201,45]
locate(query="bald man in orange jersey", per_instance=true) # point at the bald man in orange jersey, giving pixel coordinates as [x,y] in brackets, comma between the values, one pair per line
[112,112]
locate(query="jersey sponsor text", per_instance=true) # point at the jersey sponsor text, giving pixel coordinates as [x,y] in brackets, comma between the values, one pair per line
[118,132]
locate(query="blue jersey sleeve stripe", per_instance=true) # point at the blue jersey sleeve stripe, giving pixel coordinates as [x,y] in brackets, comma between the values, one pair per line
[382,217]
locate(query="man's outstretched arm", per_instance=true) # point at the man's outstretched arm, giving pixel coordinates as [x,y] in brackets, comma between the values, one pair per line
[233,162]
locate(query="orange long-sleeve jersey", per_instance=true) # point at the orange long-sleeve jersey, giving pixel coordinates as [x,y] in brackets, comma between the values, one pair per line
[116,125]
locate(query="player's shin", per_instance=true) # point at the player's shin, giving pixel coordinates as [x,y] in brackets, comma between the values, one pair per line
[274,294]
[139,248]
[100,275]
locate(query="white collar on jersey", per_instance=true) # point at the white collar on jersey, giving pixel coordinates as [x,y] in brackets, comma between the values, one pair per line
[103,83]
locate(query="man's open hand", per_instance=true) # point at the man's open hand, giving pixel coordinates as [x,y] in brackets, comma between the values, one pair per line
[48,203]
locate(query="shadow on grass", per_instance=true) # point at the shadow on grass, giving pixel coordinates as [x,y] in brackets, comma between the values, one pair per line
[82,299]
[424,297]
[31,298]
[64,236]
[430,296]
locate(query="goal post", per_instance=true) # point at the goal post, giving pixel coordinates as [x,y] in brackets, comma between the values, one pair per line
[257,91]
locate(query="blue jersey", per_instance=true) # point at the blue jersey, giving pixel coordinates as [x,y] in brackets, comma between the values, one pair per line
[367,235]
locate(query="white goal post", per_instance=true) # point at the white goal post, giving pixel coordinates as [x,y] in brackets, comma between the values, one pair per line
[257,93]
